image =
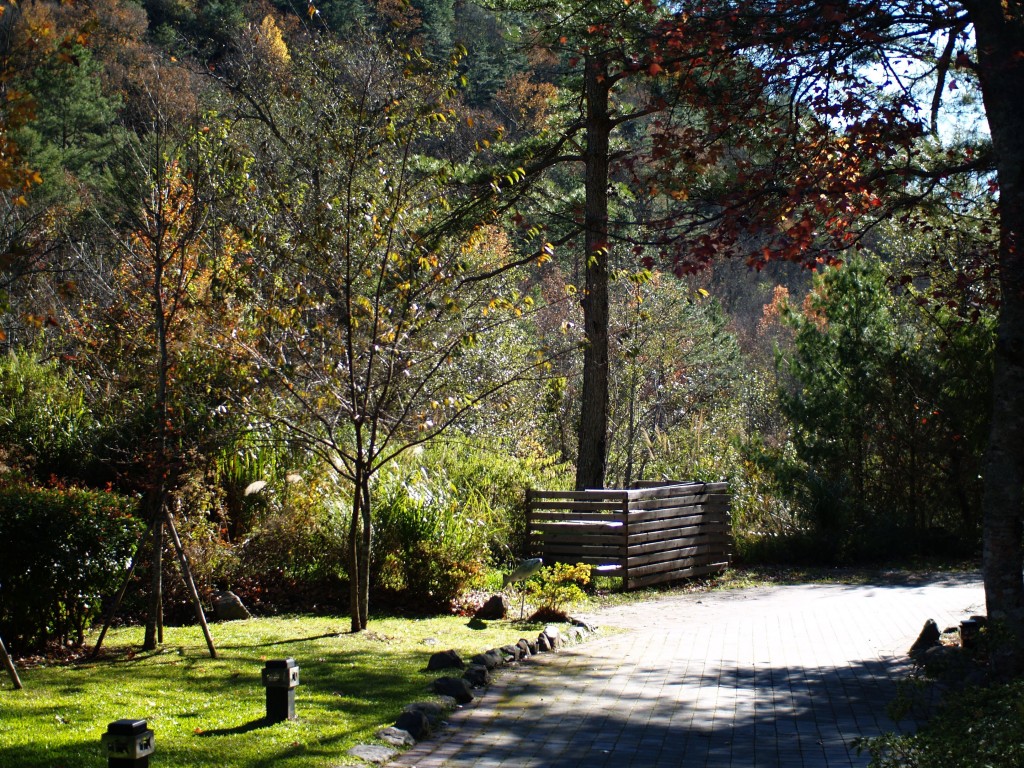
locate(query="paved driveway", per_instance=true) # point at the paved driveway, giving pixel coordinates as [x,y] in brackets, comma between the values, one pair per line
[780,677]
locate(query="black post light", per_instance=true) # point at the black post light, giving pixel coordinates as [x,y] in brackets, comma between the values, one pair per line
[128,744]
[280,678]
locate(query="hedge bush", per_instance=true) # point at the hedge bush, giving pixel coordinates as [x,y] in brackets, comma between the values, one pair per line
[61,552]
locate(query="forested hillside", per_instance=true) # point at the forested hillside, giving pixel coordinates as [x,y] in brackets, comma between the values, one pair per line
[329,286]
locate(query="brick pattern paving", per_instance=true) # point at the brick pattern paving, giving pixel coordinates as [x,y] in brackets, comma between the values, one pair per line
[784,677]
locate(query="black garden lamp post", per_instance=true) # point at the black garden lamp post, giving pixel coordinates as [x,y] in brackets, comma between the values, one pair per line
[128,744]
[280,678]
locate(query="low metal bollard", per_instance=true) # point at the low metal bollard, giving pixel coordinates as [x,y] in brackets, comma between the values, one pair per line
[970,632]
[128,744]
[280,678]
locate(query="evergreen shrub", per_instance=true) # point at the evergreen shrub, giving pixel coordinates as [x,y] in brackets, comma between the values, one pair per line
[62,550]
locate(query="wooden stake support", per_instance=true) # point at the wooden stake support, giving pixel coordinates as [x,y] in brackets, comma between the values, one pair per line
[9,665]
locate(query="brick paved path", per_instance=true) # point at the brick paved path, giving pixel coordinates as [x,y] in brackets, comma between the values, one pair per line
[783,677]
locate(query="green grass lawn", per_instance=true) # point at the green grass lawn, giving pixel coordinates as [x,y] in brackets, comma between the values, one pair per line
[207,712]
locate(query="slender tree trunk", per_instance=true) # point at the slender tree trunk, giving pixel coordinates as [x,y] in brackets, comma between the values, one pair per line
[364,577]
[158,470]
[631,429]
[153,619]
[355,568]
[593,430]
[999,29]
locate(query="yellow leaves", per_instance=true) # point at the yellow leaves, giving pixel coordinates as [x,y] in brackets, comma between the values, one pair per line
[270,42]
[547,251]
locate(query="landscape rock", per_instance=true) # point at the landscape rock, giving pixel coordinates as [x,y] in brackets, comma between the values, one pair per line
[543,643]
[227,606]
[415,723]
[445,660]
[524,646]
[513,652]
[434,711]
[928,638]
[489,659]
[455,687]
[477,675]
[494,609]
[396,737]
[585,626]
[373,753]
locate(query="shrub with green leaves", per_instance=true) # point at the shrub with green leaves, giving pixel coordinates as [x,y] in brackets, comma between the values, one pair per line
[429,544]
[443,513]
[556,588]
[979,727]
[61,552]
[45,425]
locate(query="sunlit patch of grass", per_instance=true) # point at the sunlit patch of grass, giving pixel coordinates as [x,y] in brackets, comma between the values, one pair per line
[208,712]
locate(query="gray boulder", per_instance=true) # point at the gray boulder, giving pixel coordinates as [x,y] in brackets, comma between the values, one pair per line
[373,753]
[489,659]
[512,652]
[477,676]
[396,737]
[415,723]
[227,606]
[494,609]
[445,660]
[928,638]
[434,711]
[455,687]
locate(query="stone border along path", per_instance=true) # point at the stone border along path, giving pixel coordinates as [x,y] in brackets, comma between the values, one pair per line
[777,677]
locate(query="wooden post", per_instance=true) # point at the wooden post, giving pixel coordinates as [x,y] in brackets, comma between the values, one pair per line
[120,597]
[529,515]
[186,573]
[625,542]
[9,665]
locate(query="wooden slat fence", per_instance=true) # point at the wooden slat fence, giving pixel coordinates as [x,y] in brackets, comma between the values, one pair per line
[654,533]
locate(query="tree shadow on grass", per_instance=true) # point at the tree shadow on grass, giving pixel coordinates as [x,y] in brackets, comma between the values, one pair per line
[286,641]
[252,725]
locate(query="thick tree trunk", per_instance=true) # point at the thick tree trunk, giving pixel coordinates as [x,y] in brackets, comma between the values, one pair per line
[593,430]
[999,29]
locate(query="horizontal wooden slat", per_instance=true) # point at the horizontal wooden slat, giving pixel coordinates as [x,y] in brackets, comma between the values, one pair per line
[548,560]
[579,506]
[668,525]
[591,538]
[665,567]
[666,533]
[605,550]
[690,499]
[684,573]
[691,506]
[577,517]
[579,528]
[718,538]
[535,496]
[680,555]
